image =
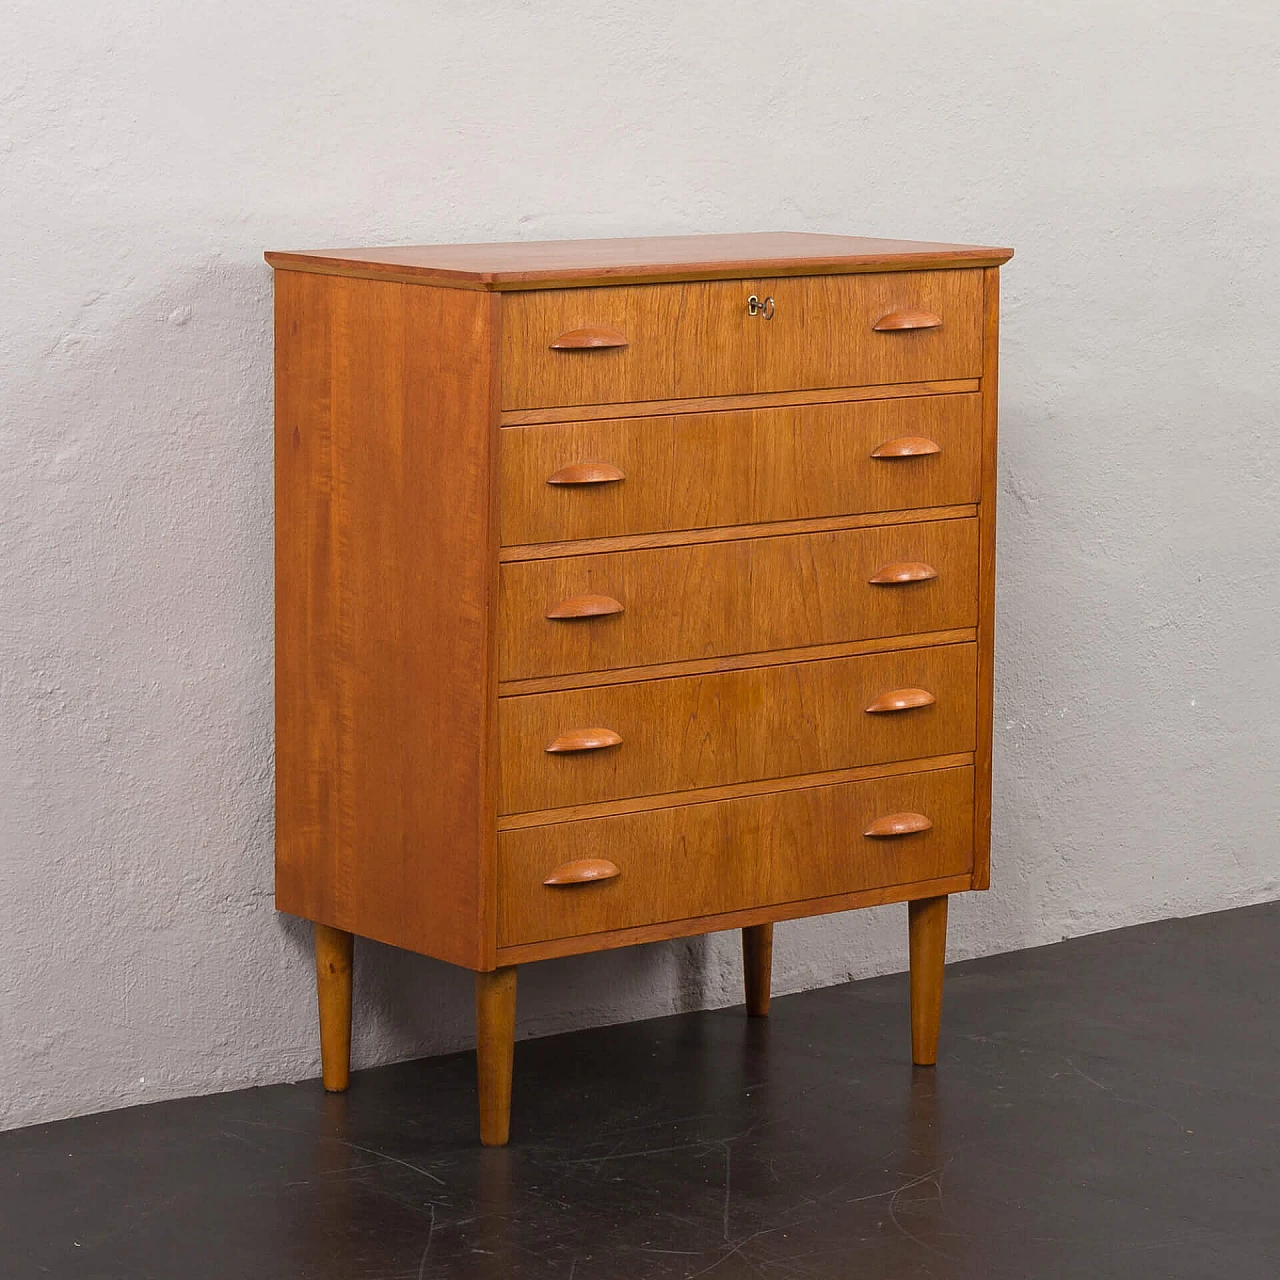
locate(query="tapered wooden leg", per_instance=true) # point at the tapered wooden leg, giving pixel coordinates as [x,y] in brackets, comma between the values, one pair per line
[757,967]
[495,1048]
[333,992]
[927,924]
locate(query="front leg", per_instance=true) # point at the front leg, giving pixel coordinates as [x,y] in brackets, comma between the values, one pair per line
[495,1050]
[927,926]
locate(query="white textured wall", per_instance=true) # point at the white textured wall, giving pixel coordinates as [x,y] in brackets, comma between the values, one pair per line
[152,149]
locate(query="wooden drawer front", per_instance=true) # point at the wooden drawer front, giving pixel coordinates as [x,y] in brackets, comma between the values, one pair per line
[672,341]
[749,595]
[735,726]
[694,471]
[702,859]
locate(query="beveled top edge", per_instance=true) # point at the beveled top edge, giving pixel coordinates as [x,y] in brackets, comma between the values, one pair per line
[570,263]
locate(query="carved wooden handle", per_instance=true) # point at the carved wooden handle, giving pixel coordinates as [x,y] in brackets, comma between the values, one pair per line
[898,824]
[586,473]
[587,339]
[891,575]
[897,700]
[583,872]
[585,607]
[906,447]
[585,740]
[907,320]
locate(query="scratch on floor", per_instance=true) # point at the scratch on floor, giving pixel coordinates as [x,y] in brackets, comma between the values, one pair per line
[431,1230]
[728,1187]
[894,1192]
[931,1176]
[343,1142]
[369,1151]
[733,1251]
[1119,1097]
[702,1144]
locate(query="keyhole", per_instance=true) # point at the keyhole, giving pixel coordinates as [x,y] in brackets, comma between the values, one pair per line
[763,309]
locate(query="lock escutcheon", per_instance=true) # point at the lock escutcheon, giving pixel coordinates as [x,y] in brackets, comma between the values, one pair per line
[760,307]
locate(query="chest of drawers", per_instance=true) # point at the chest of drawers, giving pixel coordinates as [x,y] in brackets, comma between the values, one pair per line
[629,590]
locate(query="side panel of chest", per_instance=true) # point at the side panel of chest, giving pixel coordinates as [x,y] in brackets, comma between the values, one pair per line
[385,560]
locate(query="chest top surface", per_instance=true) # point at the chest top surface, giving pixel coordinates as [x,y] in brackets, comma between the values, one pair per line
[577,263]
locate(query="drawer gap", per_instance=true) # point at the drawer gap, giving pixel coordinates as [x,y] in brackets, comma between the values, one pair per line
[714,404]
[733,791]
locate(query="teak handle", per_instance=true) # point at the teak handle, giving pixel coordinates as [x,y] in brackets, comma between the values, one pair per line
[892,575]
[907,447]
[583,872]
[589,339]
[586,473]
[907,320]
[898,824]
[584,740]
[899,700]
[585,607]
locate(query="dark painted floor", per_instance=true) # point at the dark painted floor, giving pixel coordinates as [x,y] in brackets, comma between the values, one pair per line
[1107,1107]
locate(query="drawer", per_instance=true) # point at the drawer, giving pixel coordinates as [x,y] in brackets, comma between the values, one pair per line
[748,595]
[694,471]
[704,859]
[672,341]
[615,741]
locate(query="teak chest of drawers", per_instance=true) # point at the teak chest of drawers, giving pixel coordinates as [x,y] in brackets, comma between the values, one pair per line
[628,590]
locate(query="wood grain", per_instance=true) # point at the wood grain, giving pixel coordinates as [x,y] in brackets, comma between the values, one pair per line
[758,594]
[542,264]
[495,1052]
[927,928]
[697,339]
[987,581]
[737,726]
[334,949]
[385,700]
[757,967]
[727,404]
[713,858]
[693,471]
[585,944]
